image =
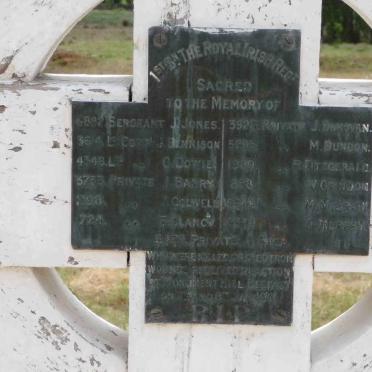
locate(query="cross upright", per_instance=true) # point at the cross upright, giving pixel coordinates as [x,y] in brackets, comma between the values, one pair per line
[221,177]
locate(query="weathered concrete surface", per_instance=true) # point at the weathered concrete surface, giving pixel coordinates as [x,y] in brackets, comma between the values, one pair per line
[35,172]
[31,30]
[345,344]
[45,328]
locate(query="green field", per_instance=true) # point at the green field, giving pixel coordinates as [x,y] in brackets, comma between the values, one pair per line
[102,44]
[346,61]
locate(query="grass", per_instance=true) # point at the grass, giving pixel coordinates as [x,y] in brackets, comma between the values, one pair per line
[346,61]
[335,293]
[102,44]
[104,291]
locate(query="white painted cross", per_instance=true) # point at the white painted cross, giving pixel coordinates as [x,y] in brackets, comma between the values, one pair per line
[45,326]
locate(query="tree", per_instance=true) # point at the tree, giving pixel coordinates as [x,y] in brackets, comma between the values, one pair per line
[111,4]
[341,24]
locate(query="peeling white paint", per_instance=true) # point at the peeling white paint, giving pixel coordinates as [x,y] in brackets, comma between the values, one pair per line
[31,30]
[35,173]
[44,327]
[176,13]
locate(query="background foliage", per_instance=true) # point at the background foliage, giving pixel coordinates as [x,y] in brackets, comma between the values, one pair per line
[342,24]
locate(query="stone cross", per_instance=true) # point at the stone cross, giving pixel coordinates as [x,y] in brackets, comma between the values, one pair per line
[46,327]
[222,177]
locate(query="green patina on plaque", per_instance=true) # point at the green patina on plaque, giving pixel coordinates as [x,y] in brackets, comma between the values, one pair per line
[222,177]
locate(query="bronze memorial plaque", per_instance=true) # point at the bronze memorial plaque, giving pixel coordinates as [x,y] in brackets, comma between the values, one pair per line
[221,177]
